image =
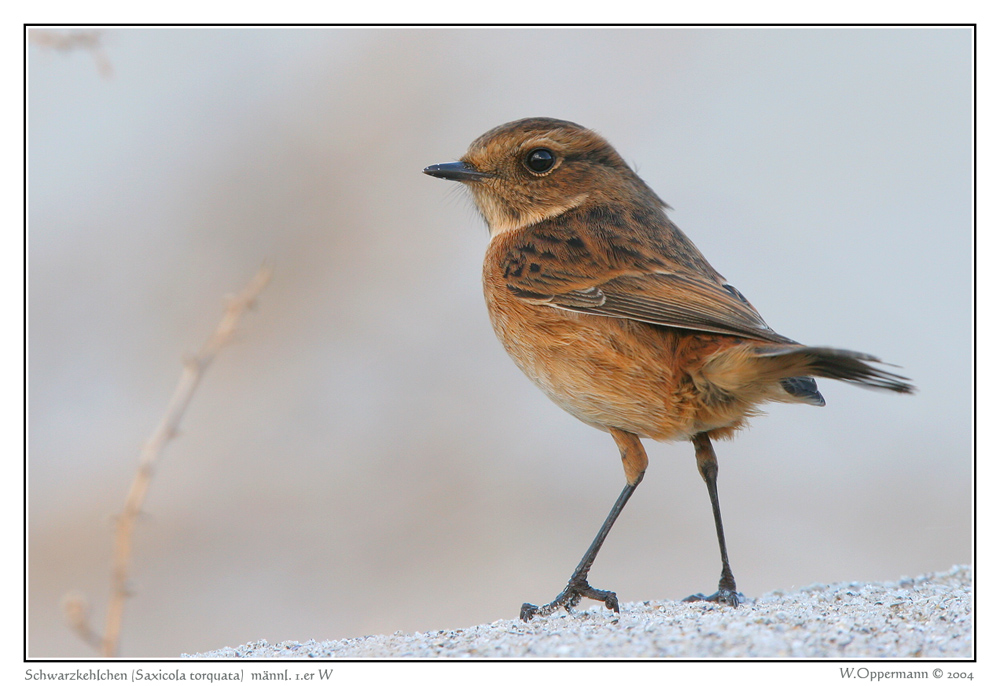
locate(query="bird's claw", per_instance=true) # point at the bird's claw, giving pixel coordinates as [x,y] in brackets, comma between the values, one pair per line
[730,597]
[570,598]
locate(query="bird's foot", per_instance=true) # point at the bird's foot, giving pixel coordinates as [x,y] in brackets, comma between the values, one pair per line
[724,596]
[569,598]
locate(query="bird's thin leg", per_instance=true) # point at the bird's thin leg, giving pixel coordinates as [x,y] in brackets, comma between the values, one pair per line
[634,460]
[708,465]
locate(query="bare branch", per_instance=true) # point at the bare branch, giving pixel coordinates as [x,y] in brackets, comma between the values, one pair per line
[89,40]
[77,612]
[194,369]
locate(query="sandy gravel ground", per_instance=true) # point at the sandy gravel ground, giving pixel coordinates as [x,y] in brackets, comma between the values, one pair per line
[927,616]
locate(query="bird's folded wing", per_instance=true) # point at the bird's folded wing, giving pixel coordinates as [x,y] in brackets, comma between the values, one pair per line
[667,299]
[648,272]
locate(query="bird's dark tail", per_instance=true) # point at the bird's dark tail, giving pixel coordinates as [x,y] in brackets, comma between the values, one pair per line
[783,372]
[790,361]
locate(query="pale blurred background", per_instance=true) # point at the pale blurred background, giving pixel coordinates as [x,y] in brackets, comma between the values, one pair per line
[365,459]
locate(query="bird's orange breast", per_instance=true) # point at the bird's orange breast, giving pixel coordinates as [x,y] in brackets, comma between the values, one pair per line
[606,371]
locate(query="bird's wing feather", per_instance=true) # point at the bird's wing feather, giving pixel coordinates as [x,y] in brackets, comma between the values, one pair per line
[668,299]
[558,265]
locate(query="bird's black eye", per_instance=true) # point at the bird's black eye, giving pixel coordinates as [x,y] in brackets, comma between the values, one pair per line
[540,160]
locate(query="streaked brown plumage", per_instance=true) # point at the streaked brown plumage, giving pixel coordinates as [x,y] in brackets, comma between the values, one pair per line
[615,314]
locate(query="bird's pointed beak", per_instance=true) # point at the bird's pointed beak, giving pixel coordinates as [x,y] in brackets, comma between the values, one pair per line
[456,171]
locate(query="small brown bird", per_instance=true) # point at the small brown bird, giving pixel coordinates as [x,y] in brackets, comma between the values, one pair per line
[619,319]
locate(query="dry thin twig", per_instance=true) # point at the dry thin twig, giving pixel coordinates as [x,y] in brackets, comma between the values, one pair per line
[89,40]
[194,369]
[77,612]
